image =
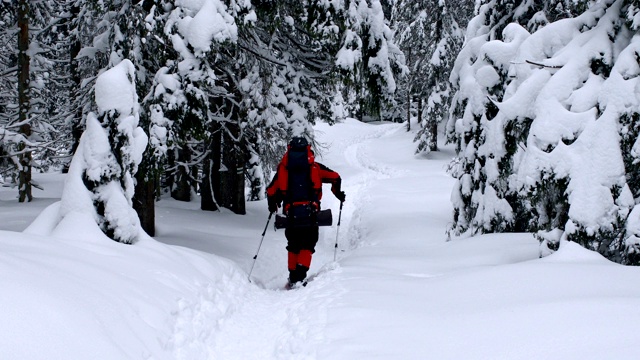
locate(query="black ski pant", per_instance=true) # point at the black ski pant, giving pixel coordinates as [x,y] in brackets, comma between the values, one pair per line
[301,243]
[301,238]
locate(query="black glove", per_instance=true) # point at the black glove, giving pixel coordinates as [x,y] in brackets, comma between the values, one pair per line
[341,196]
[273,206]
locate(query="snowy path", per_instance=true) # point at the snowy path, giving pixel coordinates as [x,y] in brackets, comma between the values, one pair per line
[392,240]
[278,324]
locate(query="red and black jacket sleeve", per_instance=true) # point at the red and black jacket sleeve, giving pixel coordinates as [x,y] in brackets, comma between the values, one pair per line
[274,193]
[329,176]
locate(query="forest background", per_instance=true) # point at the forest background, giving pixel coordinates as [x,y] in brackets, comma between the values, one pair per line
[198,99]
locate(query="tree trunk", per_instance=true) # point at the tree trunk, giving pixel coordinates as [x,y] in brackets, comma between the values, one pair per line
[224,183]
[181,190]
[408,109]
[76,122]
[210,173]
[433,131]
[144,201]
[420,111]
[433,142]
[24,159]
[232,179]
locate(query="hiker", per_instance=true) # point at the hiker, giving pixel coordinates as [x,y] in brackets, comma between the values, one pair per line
[298,186]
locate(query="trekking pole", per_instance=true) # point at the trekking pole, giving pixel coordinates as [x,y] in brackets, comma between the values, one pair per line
[259,246]
[335,251]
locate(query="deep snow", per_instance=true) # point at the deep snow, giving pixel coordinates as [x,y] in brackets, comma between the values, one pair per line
[399,289]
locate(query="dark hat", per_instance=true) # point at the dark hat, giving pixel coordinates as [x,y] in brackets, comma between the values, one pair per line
[298,143]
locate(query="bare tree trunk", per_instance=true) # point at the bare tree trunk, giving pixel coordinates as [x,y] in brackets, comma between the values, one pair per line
[24,159]
[144,202]
[76,122]
[211,171]
[224,181]
[409,109]
[232,180]
[420,110]
[182,185]
[433,138]
[409,83]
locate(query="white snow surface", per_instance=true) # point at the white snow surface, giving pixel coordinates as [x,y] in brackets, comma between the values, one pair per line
[398,290]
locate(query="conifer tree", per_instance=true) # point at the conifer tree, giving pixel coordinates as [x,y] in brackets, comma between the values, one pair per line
[480,194]
[88,53]
[550,132]
[430,39]
[24,102]
[287,52]
[111,150]
[28,96]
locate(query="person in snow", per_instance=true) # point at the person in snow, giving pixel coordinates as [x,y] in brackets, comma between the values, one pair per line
[298,186]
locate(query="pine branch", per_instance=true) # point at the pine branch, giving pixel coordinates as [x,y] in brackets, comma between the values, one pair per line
[543,65]
[262,55]
[9,71]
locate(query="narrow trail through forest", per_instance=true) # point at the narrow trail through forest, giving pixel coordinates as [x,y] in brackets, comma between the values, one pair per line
[290,324]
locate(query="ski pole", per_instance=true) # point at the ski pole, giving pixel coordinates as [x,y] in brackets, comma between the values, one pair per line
[335,251]
[259,246]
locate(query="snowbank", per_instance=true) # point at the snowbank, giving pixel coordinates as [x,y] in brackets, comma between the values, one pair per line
[70,299]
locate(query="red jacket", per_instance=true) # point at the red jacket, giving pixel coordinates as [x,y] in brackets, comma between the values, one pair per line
[277,189]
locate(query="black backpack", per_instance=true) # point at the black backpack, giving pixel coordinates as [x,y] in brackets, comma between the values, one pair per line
[301,197]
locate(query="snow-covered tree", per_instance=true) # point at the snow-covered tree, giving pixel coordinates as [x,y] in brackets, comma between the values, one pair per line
[266,121]
[370,59]
[188,89]
[102,34]
[556,149]
[430,39]
[24,101]
[89,31]
[582,143]
[263,74]
[139,38]
[30,102]
[482,75]
[108,156]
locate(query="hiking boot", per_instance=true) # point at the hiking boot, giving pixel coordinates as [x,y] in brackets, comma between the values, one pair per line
[302,272]
[299,274]
[291,286]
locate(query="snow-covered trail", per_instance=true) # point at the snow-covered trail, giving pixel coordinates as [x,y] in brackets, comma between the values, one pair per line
[387,247]
[278,324]
[391,241]
[400,275]
[408,293]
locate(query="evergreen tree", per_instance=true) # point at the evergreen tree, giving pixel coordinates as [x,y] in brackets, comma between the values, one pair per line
[112,147]
[550,125]
[267,121]
[266,74]
[24,102]
[430,40]
[188,92]
[133,38]
[8,97]
[483,201]
[370,60]
[28,97]
[88,53]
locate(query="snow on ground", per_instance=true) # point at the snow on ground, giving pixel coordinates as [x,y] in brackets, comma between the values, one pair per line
[399,289]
